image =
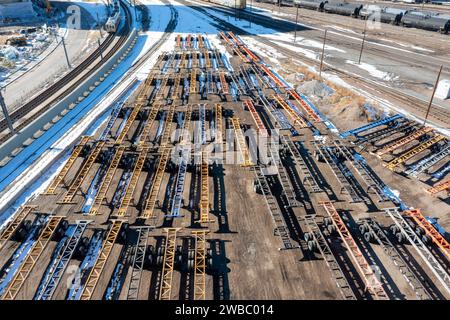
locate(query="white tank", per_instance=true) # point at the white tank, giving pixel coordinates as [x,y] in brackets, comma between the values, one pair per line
[443,89]
[239,4]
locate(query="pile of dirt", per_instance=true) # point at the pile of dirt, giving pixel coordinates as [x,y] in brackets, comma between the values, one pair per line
[315,89]
[341,105]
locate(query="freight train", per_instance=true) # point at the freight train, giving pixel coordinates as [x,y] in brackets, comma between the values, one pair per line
[408,18]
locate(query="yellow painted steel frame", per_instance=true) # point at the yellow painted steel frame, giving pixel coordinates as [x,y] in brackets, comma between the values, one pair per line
[168,127]
[126,200]
[408,155]
[148,124]
[204,194]
[186,137]
[156,185]
[200,264]
[158,63]
[194,59]
[439,187]
[168,263]
[99,265]
[101,193]
[219,124]
[193,82]
[294,116]
[128,123]
[239,53]
[62,174]
[145,91]
[397,144]
[12,226]
[182,60]
[150,78]
[207,60]
[241,143]
[30,260]
[373,285]
[83,172]
[176,86]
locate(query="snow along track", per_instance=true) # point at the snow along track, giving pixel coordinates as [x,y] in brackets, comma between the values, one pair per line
[56,88]
[26,186]
[439,117]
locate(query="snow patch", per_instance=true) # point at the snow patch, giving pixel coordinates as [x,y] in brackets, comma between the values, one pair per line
[373,71]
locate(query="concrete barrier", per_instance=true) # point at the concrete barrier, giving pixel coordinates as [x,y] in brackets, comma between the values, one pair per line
[9,148]
[36,128]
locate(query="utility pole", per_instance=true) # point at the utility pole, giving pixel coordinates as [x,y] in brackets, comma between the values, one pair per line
[296,22]
[6,114]
[323,53]
[362,44]
[99,26]
[65,52]
[235,11]
[432,96]
[100,47]
[135,13]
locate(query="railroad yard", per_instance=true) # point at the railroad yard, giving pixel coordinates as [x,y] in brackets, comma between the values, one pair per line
[217,157]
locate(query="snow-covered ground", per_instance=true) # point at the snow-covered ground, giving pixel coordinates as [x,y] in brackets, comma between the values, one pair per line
[27,175]
[40,46]
[373,71]
[97,9]
[409,46]
[348,33]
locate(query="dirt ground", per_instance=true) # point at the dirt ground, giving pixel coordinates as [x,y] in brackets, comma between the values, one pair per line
[244,260]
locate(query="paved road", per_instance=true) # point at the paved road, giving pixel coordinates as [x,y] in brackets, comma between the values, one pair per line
[79,44]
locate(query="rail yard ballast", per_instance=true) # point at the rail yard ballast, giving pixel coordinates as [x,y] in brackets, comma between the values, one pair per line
[216,174]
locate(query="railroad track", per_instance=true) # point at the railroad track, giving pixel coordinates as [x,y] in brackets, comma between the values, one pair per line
[320,24]
[24,110]
[437,113]
[167,32]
